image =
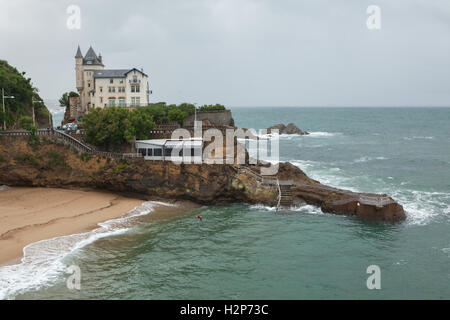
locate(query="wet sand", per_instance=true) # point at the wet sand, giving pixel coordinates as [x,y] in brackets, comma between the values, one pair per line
[28,215]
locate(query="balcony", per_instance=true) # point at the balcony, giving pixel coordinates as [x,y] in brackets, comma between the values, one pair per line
[128,105]
[134,81]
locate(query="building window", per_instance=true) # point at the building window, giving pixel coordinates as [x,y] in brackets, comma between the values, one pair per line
[112,102]
[121,102]
[101,89]
[111,80]
[135,88]
[112,89]
[89,84]
[121,89]
[134,78]
[135,101]
[101,99]
[121,80]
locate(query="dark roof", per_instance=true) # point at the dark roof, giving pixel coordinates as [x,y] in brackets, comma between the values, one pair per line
[134,69]
[91,58]
[114,73]
[78,55]
[111,73]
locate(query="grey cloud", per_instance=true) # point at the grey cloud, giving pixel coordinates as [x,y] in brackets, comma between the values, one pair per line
[243,52]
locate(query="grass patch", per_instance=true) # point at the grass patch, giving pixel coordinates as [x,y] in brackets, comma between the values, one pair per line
[85,157]
[120,167]
[55,160]
[26,159]
[34,142]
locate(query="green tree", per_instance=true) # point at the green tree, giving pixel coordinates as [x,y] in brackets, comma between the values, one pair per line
[142,122]
[104,127]
[15,83]
[109,126]
[64,100]
[176,115]
[163,113]
[25,123]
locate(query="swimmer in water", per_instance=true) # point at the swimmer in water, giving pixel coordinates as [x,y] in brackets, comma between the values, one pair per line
[199,217]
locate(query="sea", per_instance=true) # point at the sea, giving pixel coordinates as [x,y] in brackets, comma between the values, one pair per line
[243,251]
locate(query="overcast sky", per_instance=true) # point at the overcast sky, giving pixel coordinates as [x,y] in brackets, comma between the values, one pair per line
[243,52]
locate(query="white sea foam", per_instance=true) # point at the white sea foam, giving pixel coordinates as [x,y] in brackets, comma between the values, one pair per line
[285,136]
[447,251]
[418,138]
[421,207]
[262,207]
[323,134]
[42,262]
[366,159]
[306,208]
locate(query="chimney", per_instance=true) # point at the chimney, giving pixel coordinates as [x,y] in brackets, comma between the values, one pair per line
[100,58]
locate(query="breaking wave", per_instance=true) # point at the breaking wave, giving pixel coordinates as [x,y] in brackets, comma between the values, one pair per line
[43,261]
[421,206]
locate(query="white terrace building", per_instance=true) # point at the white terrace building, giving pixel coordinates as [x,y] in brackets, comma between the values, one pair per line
[100,87]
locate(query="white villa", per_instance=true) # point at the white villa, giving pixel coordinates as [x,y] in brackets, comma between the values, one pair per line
[100,87]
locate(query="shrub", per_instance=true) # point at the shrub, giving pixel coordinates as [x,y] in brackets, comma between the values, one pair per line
[26,123]
[211,107]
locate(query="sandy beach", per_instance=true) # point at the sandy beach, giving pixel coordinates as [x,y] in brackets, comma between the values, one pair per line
[28,215]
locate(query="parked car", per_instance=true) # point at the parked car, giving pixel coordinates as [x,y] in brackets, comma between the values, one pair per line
[70,127]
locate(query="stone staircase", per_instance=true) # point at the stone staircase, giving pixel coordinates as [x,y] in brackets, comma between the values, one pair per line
[286,197]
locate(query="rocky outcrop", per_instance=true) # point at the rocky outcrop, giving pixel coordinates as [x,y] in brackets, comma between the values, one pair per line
[50,164]
[289,129]
[379,207]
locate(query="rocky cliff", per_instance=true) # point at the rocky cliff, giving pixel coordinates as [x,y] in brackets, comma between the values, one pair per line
[49,164]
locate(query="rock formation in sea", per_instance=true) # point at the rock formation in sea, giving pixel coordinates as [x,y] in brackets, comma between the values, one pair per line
[289,129]
[48,163]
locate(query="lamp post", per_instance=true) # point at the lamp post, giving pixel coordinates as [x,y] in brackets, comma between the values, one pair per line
[3,103]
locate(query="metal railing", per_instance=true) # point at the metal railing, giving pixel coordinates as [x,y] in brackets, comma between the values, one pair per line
[279,194]
[71,141]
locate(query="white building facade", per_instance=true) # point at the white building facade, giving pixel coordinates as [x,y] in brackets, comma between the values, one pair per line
[99,87]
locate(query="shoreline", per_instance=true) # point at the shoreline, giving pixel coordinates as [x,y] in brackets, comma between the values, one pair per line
[29,215]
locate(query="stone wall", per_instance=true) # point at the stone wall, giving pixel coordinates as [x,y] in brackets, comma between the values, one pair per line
[215,118]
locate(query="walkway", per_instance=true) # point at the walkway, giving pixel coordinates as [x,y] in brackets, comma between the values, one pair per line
[70,141]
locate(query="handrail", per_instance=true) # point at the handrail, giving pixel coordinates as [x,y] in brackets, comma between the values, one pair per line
[71,141]
[279,194]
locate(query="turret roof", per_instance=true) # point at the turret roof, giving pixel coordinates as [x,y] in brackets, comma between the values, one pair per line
[91,58]
[79,55]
